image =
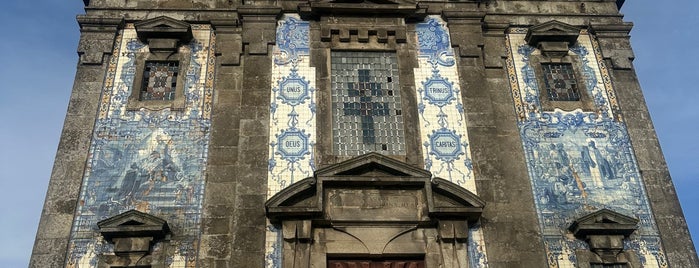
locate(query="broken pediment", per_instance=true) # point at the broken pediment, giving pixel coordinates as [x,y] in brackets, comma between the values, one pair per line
[552,31]
[133,224]
[163,28]
[452,200]
[374,188]
[604,222]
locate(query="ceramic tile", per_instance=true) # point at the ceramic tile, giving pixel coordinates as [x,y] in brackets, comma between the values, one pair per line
[292,118]
[151,161]
[578,161]
[442,126]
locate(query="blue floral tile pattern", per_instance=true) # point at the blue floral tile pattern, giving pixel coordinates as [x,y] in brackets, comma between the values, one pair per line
[579,161]
[442,126]
[292,118]
[151,161]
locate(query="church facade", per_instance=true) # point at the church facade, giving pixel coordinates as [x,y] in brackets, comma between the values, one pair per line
[358,133]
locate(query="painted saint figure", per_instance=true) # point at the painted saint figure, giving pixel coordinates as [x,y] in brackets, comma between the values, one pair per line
[130,184]
[605,168]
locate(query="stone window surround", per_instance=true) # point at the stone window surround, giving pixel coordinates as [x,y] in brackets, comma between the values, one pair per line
[166,39]
[553,40]
[585,103]
[342,34]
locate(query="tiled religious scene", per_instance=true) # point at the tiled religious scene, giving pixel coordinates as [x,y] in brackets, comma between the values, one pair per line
[342,133]
[442,125]
[578,161]
[150,161]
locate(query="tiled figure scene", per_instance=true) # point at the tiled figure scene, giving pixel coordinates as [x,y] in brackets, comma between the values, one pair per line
[293,122]
[367,115]
[579,161]
[150,161]
[442,126]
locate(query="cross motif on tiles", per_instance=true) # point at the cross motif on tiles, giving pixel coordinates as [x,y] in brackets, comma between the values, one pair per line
[366,108]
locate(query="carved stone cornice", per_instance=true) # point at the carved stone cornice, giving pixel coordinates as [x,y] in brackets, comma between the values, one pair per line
[99,24]
[376,8]
[319,198]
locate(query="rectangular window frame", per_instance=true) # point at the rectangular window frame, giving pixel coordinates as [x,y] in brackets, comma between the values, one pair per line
[135,102]
[585,101]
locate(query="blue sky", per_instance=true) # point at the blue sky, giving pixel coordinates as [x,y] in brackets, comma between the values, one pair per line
[38,65]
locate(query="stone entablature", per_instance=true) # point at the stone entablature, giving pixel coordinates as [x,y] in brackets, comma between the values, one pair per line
[135,236]
[604,231]
[372,206]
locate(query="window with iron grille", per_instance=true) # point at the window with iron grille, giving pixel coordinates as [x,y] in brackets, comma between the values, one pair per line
[560,82]
[159,80]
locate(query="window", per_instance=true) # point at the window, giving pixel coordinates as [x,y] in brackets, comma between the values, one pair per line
[159,80]
[560,82]
[367,115]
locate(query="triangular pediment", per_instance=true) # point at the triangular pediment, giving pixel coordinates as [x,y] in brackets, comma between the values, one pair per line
[553,26]
[606,216]
[372,164]
[133,223]
[162,22]
[552,31]
[374,184]
[163,27]
[604,222]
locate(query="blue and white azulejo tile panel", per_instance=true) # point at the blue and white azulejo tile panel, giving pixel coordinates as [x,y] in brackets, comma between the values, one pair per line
[578,161]
[442,125]
[151,161]
[292,118]
[292,107]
